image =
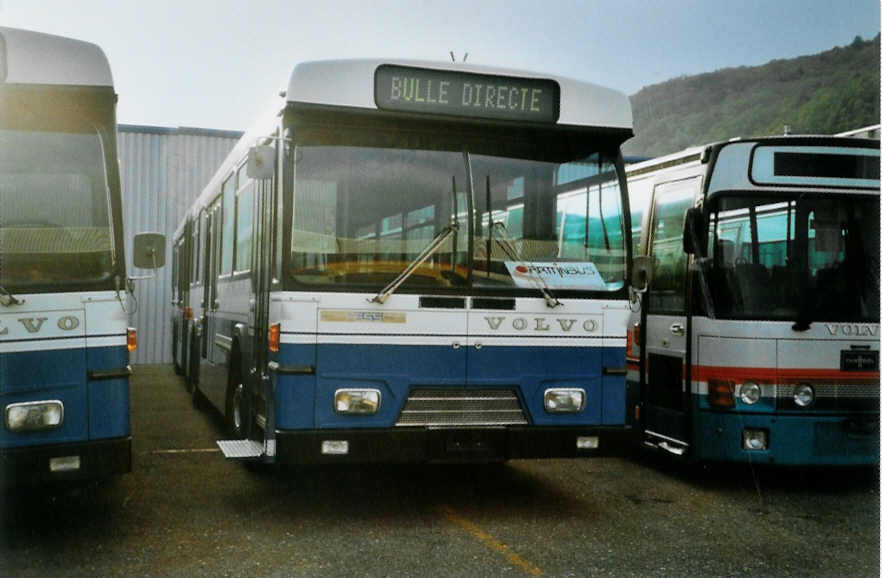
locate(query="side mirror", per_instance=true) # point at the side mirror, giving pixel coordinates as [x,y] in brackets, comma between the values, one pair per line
[261,162]
[149,250]
[641,273]
[693,226]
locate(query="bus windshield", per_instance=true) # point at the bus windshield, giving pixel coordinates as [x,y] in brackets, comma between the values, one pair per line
[54,209]
[803,258]
[362,214]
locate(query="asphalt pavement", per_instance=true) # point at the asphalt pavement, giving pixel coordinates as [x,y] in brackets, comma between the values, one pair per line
[185,511]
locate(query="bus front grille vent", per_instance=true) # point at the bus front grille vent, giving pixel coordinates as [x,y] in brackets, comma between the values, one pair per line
[838,397]
[443,407]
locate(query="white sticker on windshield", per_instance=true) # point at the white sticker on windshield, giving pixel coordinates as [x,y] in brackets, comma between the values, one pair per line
[556,275]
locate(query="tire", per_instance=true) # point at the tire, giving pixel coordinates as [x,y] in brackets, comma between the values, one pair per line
[238,407]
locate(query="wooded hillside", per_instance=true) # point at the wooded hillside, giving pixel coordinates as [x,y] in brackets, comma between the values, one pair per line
[824,93]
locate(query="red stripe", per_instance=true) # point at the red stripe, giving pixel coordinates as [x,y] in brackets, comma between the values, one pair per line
[784,376]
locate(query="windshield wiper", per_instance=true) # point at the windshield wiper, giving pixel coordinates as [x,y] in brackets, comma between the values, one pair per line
[430,249]
[512,252]
[7,298]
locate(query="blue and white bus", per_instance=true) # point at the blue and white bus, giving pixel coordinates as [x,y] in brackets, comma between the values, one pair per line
[64,340]
[758,335]
[414,261]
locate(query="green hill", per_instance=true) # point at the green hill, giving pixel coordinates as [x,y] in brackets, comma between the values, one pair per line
[824,93]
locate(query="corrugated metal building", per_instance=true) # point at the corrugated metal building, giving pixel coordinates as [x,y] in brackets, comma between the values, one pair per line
[162,171]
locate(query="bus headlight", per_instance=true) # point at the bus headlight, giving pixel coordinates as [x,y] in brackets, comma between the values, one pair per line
[750,393]
[803,395]
[34,415]
[564,400]
[357,401]
[755,439]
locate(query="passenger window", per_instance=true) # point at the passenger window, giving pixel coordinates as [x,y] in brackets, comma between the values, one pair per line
[244,226]
[668,291]
[229,225]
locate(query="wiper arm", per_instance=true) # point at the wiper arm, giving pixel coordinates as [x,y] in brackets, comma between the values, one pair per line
[7,298]
[511,251]
[430,250]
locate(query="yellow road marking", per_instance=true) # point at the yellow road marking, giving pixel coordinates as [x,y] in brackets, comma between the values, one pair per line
[490,541]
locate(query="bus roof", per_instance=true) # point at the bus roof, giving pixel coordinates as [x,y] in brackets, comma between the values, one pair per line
[28,57]
[351,83]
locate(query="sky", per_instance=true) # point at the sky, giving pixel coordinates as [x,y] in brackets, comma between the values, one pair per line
[216,63]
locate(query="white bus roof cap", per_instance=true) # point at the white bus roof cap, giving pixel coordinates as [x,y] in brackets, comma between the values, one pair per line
[28,57]
[351,83]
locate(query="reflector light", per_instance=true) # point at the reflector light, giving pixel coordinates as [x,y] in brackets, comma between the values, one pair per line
[275,334]
[64,464]
[587,442]
[335,447]
[721,393]
[131,339]
[632,348]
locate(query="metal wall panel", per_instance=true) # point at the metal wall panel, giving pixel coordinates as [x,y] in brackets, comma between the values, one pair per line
[162,170]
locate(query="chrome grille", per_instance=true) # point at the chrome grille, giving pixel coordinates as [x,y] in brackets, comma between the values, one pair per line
[829,396]
[461,407]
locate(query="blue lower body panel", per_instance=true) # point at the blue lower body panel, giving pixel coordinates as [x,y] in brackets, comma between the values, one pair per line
[844,440]
[93,386]
[305,399]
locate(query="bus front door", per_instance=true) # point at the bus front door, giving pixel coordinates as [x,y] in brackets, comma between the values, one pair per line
[664,392]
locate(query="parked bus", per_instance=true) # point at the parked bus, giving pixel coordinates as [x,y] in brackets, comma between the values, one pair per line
[413,261]
[64,341]
[757,339]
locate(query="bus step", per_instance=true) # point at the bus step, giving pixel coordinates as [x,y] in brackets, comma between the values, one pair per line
[671,448]
[240,449]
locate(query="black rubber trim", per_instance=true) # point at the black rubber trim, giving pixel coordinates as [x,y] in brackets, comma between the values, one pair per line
[118,373]
[421,444]
[291,369]
[98,459]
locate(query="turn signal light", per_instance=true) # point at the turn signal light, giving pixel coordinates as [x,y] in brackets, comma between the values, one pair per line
[188,313]
[275,332]
[633,344]
[721,393]
[132,339]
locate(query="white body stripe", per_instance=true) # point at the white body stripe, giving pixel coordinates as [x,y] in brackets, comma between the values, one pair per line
[49,321]
[351,318]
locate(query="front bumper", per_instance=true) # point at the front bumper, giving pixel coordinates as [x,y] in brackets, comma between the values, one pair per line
[97,459]
[448,444]
[844,440]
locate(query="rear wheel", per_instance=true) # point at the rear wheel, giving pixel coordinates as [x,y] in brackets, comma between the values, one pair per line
[238,407]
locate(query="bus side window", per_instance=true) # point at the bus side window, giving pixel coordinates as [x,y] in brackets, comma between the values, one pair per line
[174,273]
[668,289]
[228,229]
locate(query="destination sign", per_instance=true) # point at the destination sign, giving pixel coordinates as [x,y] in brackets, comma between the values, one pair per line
[454,93]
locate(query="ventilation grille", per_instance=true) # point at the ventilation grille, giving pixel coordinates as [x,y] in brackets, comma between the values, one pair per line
[461,407]
[843,397]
